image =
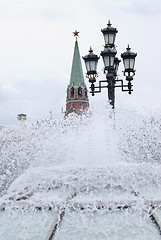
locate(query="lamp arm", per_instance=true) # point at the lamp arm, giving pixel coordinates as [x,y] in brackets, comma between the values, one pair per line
[124,88]
[128,86]
[93,87]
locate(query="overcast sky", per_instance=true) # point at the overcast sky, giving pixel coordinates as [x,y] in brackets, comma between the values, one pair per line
[36,51]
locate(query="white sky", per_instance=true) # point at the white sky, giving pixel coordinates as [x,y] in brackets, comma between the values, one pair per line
[36,51]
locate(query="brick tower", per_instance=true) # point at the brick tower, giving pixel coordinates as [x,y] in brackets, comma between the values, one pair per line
[77,99]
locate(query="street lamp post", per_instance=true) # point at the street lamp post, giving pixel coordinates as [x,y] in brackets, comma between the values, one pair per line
[111,65]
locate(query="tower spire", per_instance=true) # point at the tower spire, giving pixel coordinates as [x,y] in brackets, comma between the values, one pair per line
[77,99]
[76,77]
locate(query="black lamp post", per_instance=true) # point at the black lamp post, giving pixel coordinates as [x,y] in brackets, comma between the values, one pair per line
[111,65]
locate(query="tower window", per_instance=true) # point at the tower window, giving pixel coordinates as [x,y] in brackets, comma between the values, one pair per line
[79,91]
[72,92]
[85,93]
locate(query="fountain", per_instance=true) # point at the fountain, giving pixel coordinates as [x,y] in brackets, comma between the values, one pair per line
[111,161]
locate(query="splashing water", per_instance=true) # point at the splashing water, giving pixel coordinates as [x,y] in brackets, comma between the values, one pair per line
[102,155]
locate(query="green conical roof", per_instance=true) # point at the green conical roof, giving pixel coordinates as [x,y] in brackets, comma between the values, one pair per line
[76,77]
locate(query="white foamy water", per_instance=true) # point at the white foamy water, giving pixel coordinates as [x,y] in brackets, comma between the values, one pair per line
[105,157]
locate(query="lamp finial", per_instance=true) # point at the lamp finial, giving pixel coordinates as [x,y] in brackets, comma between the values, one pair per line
[109,24]
[128,48]
[91,51]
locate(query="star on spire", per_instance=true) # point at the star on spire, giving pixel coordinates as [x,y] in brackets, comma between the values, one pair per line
[76,34]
